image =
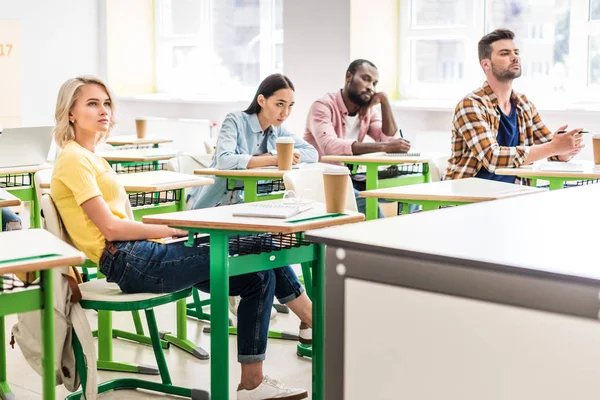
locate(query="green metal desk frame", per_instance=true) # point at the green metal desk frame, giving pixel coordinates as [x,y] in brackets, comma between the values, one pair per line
[222,266]
[23,301]
[28,193]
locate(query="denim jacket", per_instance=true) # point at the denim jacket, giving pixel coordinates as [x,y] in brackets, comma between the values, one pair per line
[238,140]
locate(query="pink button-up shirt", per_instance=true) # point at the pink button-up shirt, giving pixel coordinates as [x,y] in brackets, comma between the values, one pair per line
[326,126]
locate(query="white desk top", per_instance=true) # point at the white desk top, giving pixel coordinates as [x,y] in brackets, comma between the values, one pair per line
[155,181]
[138,155]
[7,199]
[382,158]
[222,218]
[469,190]
[589,172]
[33,250]
[24,169]
[264,172]
[552,232]
[133,140]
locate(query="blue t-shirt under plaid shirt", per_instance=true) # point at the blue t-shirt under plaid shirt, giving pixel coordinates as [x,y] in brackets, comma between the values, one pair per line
[508,135]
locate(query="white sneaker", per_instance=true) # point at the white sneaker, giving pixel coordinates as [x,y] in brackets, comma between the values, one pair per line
[305,334]
[271,389]
[234,303]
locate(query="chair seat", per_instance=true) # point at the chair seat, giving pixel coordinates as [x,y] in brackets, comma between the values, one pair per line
[99,294]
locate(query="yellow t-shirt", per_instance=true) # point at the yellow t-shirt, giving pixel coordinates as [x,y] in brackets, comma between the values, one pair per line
[78,176]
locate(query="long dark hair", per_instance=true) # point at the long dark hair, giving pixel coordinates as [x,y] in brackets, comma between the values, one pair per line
[267,87]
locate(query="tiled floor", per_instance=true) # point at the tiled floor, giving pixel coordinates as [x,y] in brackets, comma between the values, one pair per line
[282,362]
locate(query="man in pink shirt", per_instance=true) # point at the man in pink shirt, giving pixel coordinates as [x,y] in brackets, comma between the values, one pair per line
[338,123]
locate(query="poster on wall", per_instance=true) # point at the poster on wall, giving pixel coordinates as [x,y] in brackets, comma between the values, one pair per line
[10,73]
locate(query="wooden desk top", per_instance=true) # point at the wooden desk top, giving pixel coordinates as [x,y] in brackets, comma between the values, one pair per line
[138,155]
[222,218]
[382,158]
[156,181]
[8,200]
[468,190]
[19,254]
[589,172]
[264,172]
[551,233]
[24,169]
[121,140]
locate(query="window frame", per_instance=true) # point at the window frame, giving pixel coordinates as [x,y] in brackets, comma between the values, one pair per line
[268,38]
[576,84]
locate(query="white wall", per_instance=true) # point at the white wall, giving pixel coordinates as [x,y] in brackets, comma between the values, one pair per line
[59,39]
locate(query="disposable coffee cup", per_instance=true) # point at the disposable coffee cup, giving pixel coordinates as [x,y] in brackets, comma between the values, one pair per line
[596,143]
[335,181]
[140,128]
[285,152]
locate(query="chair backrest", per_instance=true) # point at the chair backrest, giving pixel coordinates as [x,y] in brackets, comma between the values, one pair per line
[186,164]
[437,168]
[52,221]
[39,178]
[210,145]
[299,180]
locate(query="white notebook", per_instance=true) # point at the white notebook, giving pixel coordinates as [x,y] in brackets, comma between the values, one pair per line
[270,210]
[562,166]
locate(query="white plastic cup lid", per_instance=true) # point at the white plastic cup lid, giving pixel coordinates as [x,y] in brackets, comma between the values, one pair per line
[335,170]
[285,139]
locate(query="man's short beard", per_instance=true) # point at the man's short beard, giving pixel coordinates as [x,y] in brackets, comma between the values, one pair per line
[505,75]
[357,99]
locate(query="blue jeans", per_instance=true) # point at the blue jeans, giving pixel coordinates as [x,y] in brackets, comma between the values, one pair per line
[142,266]
[10,221]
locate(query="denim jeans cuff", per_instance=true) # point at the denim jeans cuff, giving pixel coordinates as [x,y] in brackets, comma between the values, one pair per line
[251,359]
[292,296]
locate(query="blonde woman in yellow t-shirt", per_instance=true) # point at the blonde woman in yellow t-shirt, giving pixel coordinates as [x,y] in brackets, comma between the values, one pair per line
[92,205]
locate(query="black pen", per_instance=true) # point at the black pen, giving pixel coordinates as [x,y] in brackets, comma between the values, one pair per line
[559,132]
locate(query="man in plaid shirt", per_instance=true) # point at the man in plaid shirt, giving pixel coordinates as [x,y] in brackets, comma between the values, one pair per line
[494,127]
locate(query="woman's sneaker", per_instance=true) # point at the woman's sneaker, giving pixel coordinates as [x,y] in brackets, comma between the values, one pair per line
[271,389]
[234,303]
[305,334]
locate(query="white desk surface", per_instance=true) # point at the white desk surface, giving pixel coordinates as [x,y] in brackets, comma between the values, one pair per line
[589,172]
[155,181]
[222,218]
[33,250]
[7,199]
[263,172]
[24,169]
[138,155]
[469,190]
[549,233]
[382,158]
[133,140]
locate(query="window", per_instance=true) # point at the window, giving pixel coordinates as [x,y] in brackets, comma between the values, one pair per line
[559,42]
[221,48]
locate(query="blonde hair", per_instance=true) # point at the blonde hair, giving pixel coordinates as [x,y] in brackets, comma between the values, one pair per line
[67,96]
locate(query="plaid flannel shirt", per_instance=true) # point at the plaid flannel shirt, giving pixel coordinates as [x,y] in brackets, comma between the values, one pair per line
[474,131]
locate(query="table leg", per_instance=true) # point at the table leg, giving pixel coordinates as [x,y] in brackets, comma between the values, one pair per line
[318,354]
[49,377]
[556,183]
[219,334]
[372,183]
[250,190]
[35,217]
[181,201]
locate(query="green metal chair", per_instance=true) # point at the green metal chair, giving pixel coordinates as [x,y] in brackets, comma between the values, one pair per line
[106,297]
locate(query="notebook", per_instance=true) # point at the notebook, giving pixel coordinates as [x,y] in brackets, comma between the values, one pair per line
[562,166]
[270,210]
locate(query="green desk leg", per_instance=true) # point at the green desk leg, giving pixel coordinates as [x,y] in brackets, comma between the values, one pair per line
[556,183]
[49,379]
[372,183]
[250,190]
[318,359]
[35,217]
[219,335]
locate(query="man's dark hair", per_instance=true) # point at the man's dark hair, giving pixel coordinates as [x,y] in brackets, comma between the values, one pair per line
[485,44]
[357,63]
[267,87]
